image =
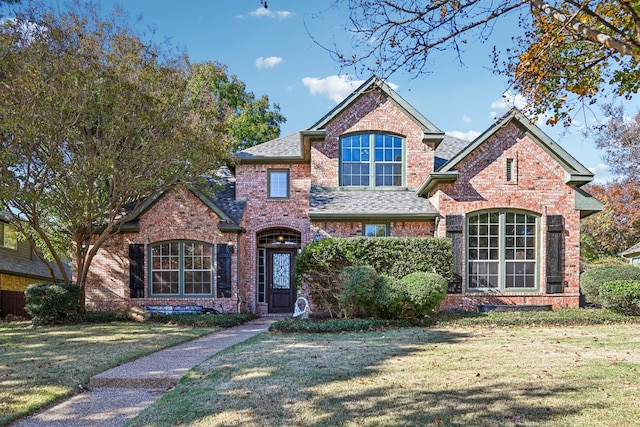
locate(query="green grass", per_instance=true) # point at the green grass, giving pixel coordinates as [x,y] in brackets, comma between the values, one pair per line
[41,365]
[474,370]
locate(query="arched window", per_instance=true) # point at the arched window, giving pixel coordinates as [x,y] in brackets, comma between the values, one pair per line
[502,251]
[371,160]
[181,268]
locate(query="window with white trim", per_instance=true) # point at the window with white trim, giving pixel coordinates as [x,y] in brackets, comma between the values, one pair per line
[371,160]
[181,268]
[502,251]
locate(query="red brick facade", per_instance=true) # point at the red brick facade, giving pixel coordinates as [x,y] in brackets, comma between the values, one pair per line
[177,216]
[537,185]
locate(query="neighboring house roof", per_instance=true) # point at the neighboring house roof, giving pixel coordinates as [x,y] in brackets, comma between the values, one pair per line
[347,203]
[33,267]
[576,173]
[431,131]
[23,266]
[633,250]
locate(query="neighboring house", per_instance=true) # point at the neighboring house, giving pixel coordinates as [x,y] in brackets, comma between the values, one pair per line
[632,254]
[19,267]
[374,166]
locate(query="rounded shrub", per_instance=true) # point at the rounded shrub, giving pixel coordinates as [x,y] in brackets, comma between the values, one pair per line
[391,298]
[51,302]
[622,296]
[592,280]
[425,291]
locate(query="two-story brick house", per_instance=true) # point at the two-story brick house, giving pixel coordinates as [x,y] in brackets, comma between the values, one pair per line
[374,166]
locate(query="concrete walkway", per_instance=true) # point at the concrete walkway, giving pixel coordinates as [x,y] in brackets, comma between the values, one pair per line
[116,396]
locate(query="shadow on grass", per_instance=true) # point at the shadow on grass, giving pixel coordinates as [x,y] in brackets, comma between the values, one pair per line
[328,380]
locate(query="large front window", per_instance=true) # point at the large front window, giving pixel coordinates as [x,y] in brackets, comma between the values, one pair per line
[181,269]
[369,160]
[502,251]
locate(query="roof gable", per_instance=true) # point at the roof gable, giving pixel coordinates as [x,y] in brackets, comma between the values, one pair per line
[579,174]
[375,83]
[222,202]
[576,173]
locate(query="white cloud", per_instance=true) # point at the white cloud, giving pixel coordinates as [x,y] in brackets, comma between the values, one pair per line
[603,174]
[335,87]
[269,62]
[509,100]
[466,136]
[466,119]
[261,12]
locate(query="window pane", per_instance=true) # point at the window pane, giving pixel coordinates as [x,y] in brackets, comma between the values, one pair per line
[8,236]
[197,273]
[388,160]
[279,184]
[375,230]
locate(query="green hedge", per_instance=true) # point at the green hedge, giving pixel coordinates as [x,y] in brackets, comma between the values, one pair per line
[592,280]
[622,296]
[319,265]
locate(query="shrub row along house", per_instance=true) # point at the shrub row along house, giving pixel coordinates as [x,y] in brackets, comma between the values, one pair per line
[373,166]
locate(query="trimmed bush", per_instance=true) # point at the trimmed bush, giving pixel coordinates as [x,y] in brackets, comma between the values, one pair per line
[359,283]
[391,298]
[622,296]
[425,291]
[51,302]
[591,280]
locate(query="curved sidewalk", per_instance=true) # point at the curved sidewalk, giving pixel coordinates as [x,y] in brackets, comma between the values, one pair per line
[116,396]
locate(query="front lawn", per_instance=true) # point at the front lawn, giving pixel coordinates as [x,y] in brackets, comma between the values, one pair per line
[41,365]
[458,374]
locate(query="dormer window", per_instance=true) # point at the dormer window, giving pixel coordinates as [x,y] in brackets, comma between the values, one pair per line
[371,160]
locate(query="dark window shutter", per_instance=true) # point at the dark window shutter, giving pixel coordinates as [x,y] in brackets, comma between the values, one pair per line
[455,225]
[223,266]
[136,270]
[555,254]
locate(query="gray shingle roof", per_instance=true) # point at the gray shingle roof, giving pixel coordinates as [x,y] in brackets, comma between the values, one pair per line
[287,146]
[342,203]
[447,149]
[28,267]
[224,195]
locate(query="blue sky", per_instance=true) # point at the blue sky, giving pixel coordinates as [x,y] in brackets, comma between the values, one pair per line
[272,50]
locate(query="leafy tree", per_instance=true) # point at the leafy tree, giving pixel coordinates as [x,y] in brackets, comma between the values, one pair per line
[565,49]
[619,138]
[93,120]
[617,226]
[250,121]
